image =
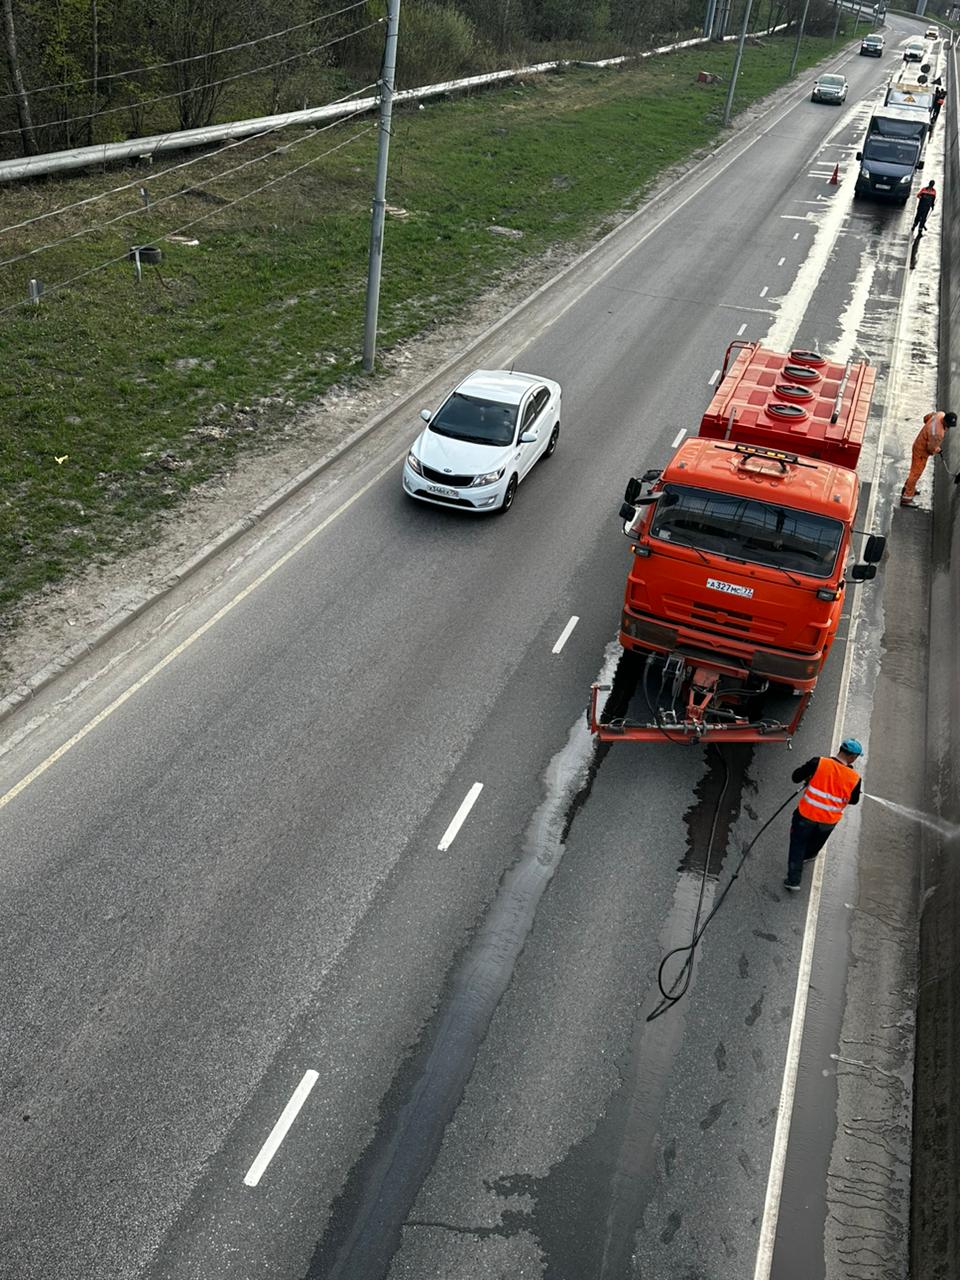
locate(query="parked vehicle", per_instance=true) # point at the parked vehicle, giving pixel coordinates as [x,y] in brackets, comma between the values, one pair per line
[888,167]
[483,440]
[740,556]
[907,93]
[829,88]
[872,46]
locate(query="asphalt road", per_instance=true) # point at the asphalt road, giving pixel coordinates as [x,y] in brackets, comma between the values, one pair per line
[234,878]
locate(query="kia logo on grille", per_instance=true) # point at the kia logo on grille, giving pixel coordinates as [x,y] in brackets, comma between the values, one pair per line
[447,471]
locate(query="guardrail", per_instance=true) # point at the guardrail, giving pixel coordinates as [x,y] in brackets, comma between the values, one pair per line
[184,139]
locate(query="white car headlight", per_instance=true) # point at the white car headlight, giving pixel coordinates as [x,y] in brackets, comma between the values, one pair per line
[413,462]
[491,477]
[906,177]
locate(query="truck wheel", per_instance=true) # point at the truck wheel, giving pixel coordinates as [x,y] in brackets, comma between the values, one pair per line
[509,496]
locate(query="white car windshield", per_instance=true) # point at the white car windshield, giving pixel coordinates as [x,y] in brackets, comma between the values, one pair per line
[475,419]
[744,529]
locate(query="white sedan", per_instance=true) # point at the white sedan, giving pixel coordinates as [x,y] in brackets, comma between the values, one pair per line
[483,440]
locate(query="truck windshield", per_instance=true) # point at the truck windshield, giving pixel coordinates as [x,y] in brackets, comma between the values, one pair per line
[745,529]
[889,151]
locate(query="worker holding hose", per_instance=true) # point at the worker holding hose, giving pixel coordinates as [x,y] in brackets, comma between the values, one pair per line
[928,443]
[832,784]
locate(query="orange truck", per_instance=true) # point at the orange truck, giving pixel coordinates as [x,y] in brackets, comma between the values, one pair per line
[741,547]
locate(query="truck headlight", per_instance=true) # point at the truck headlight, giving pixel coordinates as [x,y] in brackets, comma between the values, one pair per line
[905,179]
[491,477]
[864,173]
[413,462]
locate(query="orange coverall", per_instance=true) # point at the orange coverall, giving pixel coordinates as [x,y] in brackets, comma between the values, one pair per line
[925,446]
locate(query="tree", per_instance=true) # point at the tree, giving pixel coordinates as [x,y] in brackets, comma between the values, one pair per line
[16,79]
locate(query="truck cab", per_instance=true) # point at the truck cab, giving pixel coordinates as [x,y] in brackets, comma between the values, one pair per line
[743,547]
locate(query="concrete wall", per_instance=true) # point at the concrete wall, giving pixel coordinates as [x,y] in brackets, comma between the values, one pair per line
[936,1174]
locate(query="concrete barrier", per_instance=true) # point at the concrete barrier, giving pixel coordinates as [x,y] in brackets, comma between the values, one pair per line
[935,1235]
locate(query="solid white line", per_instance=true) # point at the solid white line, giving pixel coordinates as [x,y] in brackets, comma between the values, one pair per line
[781,262]
[565,634]
[279,1130]
[191,639]
[763,291]
[469,800]
[781,1137]
[713,377]
[683,430]
[741,329]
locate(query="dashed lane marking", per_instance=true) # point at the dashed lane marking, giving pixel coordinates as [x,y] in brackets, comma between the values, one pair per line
[280,1129]
[565,634]
[683,430]
[460,817]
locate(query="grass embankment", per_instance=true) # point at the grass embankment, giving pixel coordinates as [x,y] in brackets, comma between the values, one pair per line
[117,398]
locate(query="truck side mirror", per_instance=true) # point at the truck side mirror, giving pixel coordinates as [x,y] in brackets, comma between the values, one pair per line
[628,513]
[863,572]
[859,155]
[648,477]
[632,491]
[873,551]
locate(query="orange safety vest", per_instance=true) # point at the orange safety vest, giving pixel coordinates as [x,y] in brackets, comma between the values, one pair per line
[929,192]
[828,792]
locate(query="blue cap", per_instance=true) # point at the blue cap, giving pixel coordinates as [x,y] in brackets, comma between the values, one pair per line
[852,747]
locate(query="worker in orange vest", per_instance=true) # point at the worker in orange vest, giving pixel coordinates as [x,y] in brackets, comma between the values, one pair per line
[832,784]
[927,444]
[926,199]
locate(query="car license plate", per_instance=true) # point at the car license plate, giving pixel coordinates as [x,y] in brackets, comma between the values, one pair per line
[441,492]
[883,186]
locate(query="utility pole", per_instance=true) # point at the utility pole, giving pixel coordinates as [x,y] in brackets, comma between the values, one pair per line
[728,107]
[708,20]
[796,47]
[378,214]
[836,25]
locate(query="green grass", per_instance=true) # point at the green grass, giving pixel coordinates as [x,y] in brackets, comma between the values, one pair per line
[267,312]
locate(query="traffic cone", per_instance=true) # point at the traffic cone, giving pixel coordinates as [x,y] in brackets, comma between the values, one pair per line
[835,176]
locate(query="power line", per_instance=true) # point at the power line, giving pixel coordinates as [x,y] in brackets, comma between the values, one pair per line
[196,57]
[101,266]
[156,175]
[177,195]
[197,88]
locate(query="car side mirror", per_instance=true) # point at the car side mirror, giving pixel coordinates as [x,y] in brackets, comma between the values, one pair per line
[528,437]
[873,551]
[863,572]
[426,415]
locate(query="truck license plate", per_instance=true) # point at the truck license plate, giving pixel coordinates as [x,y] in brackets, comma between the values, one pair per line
[883,186]
[441,492]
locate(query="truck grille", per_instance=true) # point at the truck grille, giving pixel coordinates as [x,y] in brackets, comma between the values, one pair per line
[438,477]
[735,621]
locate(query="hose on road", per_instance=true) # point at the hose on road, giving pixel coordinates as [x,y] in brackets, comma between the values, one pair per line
[681,983]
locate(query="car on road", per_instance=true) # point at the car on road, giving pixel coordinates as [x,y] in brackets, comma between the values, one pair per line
[872,46]
[932,33]
[483,440]
[829,89]
[914,50]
